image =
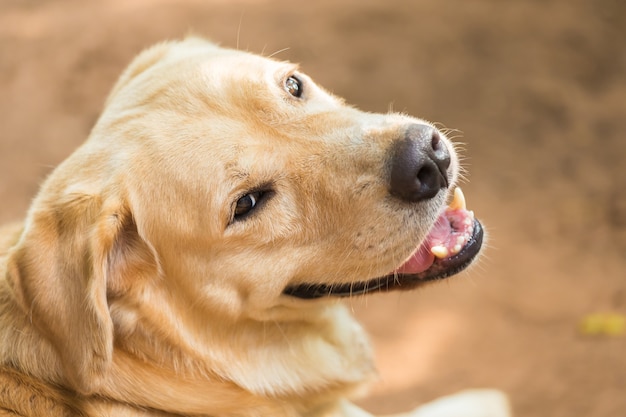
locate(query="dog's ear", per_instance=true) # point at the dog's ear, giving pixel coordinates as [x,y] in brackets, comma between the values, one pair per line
[70,254]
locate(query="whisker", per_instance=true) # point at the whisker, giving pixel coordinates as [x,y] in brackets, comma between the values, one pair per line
[239,28]
[278,52]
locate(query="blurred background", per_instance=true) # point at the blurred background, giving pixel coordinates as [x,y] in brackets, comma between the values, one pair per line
[537,92]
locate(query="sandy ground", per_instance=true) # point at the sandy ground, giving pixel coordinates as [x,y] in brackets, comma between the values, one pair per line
[537,90]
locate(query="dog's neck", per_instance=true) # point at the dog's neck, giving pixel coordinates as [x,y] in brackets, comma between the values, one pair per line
[227,378]
[224,368]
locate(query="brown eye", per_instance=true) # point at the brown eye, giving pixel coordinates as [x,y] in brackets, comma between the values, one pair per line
[246,203]
[294,86]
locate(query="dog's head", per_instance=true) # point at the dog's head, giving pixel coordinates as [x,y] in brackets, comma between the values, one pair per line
[231,183]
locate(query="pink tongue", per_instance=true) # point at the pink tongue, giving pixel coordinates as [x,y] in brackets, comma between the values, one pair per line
[423,259]
[420,261]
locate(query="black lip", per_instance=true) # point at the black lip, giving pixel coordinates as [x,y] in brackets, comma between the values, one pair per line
[441,268]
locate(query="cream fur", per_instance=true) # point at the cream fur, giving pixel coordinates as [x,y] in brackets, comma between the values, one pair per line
[128,290]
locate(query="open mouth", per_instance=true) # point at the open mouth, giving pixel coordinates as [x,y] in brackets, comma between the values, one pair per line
[452,244]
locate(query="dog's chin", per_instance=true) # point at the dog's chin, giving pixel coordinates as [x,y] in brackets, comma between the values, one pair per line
[453,243]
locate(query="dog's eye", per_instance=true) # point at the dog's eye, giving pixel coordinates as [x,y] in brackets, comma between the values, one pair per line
[247,203]
[294,86]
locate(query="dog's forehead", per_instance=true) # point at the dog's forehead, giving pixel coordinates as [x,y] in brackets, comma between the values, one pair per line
[218,67]
[192,69]
[239,62]
[225,103]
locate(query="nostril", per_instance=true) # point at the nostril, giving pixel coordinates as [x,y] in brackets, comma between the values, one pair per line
[435,141]
[430,181]
[427,174]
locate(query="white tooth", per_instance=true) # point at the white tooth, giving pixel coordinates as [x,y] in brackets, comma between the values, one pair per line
[458,202]
[439,251]
[471,214]
[460,240]
[456,249]
[467,221]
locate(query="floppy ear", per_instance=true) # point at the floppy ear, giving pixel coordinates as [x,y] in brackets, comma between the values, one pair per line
[70,253]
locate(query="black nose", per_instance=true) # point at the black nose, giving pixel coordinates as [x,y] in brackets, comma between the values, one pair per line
[419,164]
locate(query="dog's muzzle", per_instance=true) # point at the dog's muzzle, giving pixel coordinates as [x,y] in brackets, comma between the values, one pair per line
[420,162]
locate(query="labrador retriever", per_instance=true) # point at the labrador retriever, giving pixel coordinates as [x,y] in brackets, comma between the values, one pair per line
[189,259]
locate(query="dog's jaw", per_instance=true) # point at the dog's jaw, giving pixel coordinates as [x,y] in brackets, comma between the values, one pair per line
[439,269]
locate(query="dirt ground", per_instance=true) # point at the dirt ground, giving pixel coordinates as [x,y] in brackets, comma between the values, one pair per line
[537,90]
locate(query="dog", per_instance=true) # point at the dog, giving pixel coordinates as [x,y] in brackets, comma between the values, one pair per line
[190,257]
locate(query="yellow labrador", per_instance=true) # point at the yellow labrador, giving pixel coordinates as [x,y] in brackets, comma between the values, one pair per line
[189,258]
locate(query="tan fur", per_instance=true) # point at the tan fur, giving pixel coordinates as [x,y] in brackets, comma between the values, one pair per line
[127,291]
